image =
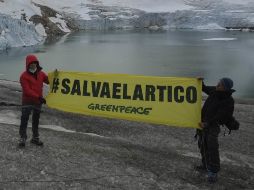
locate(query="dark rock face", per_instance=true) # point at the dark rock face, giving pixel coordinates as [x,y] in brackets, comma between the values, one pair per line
[51,28]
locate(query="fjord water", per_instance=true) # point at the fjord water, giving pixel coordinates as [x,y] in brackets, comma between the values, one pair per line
[208,54]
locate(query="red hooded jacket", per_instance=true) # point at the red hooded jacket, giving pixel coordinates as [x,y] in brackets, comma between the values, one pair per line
[32,84]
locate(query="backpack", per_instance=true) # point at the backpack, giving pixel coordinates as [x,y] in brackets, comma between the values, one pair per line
[232,124]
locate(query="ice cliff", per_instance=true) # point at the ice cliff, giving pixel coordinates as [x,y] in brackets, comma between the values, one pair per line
[17,33]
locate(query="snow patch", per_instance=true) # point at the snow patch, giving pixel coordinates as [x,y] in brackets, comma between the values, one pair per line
[240,2]
[10,118]
[60,22]
[250,17]
[15,8]
[220,39]
[56,128]
[40,30]
[150,5]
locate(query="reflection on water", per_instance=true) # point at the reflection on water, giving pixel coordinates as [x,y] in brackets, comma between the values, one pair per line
[174,53]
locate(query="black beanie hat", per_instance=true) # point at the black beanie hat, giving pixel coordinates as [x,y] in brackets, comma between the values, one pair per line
[227,83]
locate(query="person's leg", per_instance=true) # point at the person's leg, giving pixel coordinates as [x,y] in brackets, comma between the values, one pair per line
[213,151]
[35,121]
[202,144]
[213,154]
[35,126]
[25,112]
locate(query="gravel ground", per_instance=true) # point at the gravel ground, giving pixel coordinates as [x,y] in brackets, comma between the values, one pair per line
[83,152]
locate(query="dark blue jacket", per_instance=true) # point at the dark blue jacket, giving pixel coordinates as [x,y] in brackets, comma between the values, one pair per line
[218,107]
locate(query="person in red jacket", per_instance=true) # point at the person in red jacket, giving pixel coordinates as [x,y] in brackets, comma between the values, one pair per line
[32,80]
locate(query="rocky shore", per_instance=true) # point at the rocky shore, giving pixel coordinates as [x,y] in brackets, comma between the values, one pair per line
[84,152]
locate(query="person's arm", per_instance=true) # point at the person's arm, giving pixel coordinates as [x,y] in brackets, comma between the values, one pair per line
[45,78]
[26,88]
[207,89]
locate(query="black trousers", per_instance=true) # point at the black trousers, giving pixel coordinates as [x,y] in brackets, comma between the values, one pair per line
[209,148]
[26,111]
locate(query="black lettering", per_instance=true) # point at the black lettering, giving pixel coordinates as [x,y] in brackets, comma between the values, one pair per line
[96,88]
[178,98]
[150,93]
[125,91]
[91,106]
[138,93]
[128,109]
[169,93]
[191,94]
[65,84]
[76,88]
[134,110]
[115,108]
[147,111]
[85,91]
[161,92]
[140,110]
[108,108]
[105,91]
[103,107]
[116,90]
[122,108]
[97,107]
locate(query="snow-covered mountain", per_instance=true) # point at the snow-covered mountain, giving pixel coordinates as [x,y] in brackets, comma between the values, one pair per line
[27,22]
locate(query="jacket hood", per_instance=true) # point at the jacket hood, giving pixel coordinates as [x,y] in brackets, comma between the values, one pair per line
[31,59]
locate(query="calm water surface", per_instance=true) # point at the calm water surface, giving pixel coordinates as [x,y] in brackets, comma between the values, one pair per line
[173,53]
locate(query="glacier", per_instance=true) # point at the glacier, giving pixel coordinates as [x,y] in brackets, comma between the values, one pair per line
[17,33]
[29,22]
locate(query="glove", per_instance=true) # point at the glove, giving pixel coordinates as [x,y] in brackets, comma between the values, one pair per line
[203,125]
[42,100]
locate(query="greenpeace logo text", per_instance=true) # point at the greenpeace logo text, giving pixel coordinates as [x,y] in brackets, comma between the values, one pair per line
[120,109]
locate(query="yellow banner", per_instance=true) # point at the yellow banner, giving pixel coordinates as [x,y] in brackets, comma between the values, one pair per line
[162,100]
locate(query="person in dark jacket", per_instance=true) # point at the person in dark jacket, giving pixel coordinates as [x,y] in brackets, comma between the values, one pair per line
[31,81]
[217,109]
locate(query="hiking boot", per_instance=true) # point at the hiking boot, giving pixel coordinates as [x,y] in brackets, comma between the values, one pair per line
[212,177]
[200,168]
[22,142]
[36,141]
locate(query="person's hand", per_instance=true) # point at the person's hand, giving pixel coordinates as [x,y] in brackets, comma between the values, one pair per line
[42,100]
[202,125]
[200,78]
[56,72]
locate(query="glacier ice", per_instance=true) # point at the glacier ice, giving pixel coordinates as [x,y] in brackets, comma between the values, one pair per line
[17,33]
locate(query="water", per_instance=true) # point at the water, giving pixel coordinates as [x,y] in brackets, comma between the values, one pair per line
[174,53]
